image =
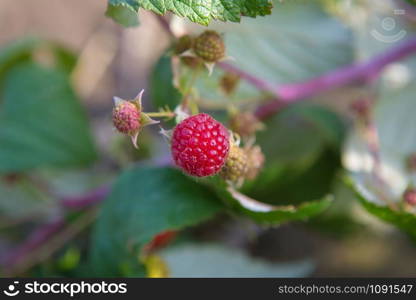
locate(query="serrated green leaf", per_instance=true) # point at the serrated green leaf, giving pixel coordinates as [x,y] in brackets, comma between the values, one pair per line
[265,213]
[144,202]
[198,11]
[41,122]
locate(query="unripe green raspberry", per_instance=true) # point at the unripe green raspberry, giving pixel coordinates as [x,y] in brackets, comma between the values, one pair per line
[209,46]
[235,167]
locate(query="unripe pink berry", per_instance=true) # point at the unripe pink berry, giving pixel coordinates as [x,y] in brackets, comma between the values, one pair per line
[126,117]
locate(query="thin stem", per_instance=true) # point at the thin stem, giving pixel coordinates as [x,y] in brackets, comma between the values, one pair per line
[43,234]
[54,242]
[89,199]
[365,72]
[188,90]
[259,83]
[161,114]
[35,240]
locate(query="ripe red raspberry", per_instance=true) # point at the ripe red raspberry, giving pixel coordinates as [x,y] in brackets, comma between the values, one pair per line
[200,145]
[209,46]
[126,117]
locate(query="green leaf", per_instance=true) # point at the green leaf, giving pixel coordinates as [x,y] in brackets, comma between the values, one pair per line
[122,15]
[162,91]
[301,145]
[144,202]
[265,213]
[211,260]
[25,50]
[340,220]
[403,220]
[65,59]
[328,125]
[198,11]
[299,41]
[298,125]
[41,122]
[16,52]
[281,184]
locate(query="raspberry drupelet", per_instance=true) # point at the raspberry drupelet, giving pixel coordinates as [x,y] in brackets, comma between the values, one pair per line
[200,145]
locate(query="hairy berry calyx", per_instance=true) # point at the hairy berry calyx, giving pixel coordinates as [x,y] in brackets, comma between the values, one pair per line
[200,145]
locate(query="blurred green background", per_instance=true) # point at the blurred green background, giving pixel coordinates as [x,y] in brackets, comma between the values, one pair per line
[61,62]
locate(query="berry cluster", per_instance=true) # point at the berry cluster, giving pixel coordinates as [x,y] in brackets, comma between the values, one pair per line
[200,145]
